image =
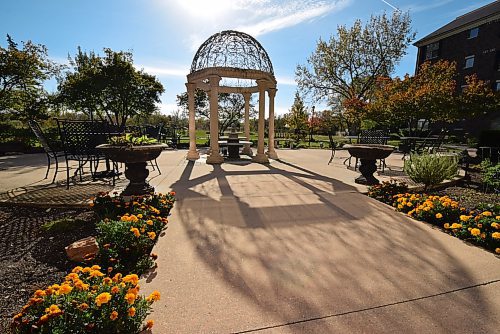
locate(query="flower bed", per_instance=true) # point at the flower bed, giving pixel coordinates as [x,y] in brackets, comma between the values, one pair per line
[88,301]
[480,226]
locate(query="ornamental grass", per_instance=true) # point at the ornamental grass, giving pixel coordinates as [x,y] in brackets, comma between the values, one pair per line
[88,301]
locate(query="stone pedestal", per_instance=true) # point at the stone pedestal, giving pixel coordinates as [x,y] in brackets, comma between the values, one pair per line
[137,173]
[367,168]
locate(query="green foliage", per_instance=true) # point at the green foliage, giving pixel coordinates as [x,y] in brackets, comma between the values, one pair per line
[346,66]
[22,74]
[231,107]
[297,119]
[490,175]
[129,229]
[385,191]
[128,139]
[431,169]
[61,225]
[87,302]
[109,87]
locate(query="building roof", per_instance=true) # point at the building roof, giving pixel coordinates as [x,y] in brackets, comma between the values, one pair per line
[480,14]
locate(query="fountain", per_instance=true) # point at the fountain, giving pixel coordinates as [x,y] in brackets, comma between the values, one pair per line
[368,154]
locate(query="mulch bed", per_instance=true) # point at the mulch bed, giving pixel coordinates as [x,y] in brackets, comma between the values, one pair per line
[32,258]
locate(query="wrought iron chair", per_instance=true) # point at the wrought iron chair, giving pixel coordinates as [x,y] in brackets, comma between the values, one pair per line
[153,131]
[333,146]
[378,137]
[80,139]
[49,148]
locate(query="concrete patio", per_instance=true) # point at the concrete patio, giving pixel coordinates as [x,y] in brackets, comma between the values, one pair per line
[295,247]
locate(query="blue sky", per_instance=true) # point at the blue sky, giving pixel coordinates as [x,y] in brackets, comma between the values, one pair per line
[165,34]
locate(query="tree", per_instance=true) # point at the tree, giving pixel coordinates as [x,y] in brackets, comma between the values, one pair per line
[431,95]
[231,107]
[297,119]
[22,74]
[109,87]
[346,67]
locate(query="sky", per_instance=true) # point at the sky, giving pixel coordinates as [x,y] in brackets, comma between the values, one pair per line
[164,35]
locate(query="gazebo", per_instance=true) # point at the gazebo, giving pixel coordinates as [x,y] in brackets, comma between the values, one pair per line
[232,62]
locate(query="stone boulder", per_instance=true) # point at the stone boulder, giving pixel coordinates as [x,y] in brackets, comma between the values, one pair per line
[83,249]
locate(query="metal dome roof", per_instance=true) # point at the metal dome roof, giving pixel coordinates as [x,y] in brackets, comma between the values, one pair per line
[232,49]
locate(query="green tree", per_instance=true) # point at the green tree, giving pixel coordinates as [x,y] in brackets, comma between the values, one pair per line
[23,72]
[297,119]
[231,107]
[109,87]
[345,68]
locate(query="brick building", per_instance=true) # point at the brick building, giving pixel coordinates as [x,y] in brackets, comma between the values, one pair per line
[472,41]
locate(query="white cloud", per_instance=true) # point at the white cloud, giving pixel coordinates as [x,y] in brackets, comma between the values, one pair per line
[175,71]
[285,81]
[255,17]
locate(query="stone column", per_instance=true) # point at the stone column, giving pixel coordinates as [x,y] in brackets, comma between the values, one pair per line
[214,157]
[261,157]
[192,153]
[271,153]
[246,148]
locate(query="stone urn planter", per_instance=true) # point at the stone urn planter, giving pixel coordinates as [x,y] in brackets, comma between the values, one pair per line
[135,159]
[368,154]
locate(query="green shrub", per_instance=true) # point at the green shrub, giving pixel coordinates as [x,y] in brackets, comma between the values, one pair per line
[431,169]
[490,175]
[128,230]
[87,301]
[386,191]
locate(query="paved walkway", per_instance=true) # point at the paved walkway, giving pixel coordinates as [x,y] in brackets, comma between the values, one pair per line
[290,248]
[294,247]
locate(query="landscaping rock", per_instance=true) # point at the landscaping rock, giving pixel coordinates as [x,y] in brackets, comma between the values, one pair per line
[82,249]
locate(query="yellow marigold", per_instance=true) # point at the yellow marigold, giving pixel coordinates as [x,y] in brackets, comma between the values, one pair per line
[136,232]
[134,219]
[86,270]
[83,306]
[143,229]
[130,298]
[115,290]
[107,281]
[72,277]
[149,222]
[446,225]
[53,309]
[81,286]
[487,214]
[125,218]
[77,269]
[494,225]
[131,311]
[152,235]
[139,216]
[456,225]
[427,208]
[497,217]
[464,218]
[409,204]
[65,289]
[475,232]
[154,296]
[39,293]
[495,235]
[439,215]
[132,278]
[103,298]
[400,206]
[96,273]
[95,267]
[134,291]
[117,277]
[44,318]
[497,250]
[150,324]
[114,315]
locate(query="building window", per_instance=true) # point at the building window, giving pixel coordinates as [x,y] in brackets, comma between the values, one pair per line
[473,33]
[432,51]
[469,61]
